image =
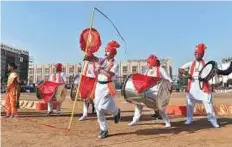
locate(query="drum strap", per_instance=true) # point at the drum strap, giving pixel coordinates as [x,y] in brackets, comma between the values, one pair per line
[206,87]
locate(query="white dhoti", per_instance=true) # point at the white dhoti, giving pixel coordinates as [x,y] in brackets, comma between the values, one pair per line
[104,103]
[196,95]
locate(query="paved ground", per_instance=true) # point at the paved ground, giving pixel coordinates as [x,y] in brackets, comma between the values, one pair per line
[29,130]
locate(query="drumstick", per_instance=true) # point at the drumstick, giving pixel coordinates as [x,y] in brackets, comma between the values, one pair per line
[77,93]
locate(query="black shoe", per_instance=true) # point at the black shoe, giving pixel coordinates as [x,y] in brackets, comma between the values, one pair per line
[103,134]
[117,118]
[100,133]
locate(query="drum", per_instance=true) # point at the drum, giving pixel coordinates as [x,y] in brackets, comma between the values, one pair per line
[60,93]
[38,94]
[86,87]
[48,90]
[148,91]
[208,71]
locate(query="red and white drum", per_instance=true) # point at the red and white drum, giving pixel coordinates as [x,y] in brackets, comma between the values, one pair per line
[48,90]
[144,90]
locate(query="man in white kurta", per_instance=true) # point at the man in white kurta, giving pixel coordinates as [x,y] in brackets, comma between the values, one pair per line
[90,71]
[58,77]
[194,93]
[154,70]
[105,91]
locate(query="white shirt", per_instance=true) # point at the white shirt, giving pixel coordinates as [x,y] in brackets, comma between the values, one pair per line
[90,71]
[105,65]
[163,74]
[58,76]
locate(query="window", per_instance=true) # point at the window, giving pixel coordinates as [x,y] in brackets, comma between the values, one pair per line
[39,70]
[31,70]
[46,78]
[39,79]
[31,79]
[124,69]
[46,71]
[53,70]
[134,69]
[71,70]
[79,69]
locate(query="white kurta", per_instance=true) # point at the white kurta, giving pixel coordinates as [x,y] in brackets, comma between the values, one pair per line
[104,102]
[58,76]
[195,92]
[102,98]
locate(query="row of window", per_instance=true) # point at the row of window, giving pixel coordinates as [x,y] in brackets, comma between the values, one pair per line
[46,71]
[125,69]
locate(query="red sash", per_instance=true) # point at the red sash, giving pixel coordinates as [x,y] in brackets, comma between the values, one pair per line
[206,87]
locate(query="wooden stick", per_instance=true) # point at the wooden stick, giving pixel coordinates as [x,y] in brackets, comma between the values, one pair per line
[77,93]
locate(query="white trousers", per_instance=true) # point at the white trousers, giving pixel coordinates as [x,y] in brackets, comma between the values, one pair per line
[50,106]
[138,113]
[101,115]
[85,108]
[208,108]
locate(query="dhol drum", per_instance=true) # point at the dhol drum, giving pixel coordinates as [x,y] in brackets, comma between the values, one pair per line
[86,88]
[60,94]
[38,93]
[148,91]
[48,90]
[211,69]
[208,71]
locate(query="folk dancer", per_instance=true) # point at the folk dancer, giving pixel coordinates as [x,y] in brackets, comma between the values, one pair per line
[194,93]
[58,77]
[154,70]
[104,90]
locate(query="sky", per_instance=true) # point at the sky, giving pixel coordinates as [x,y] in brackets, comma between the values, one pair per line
[50,30]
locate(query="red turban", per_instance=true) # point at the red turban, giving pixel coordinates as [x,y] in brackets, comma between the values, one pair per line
[200,49]
[153,60]
[111,47]
[58,67]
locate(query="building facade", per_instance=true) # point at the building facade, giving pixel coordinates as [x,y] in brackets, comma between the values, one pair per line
[38,72]
[18,56]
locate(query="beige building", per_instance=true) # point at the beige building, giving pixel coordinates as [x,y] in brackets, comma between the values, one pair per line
[138,66]
[38,72]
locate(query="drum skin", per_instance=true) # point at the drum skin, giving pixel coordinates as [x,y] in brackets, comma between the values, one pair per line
[211,74]
[60,93]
